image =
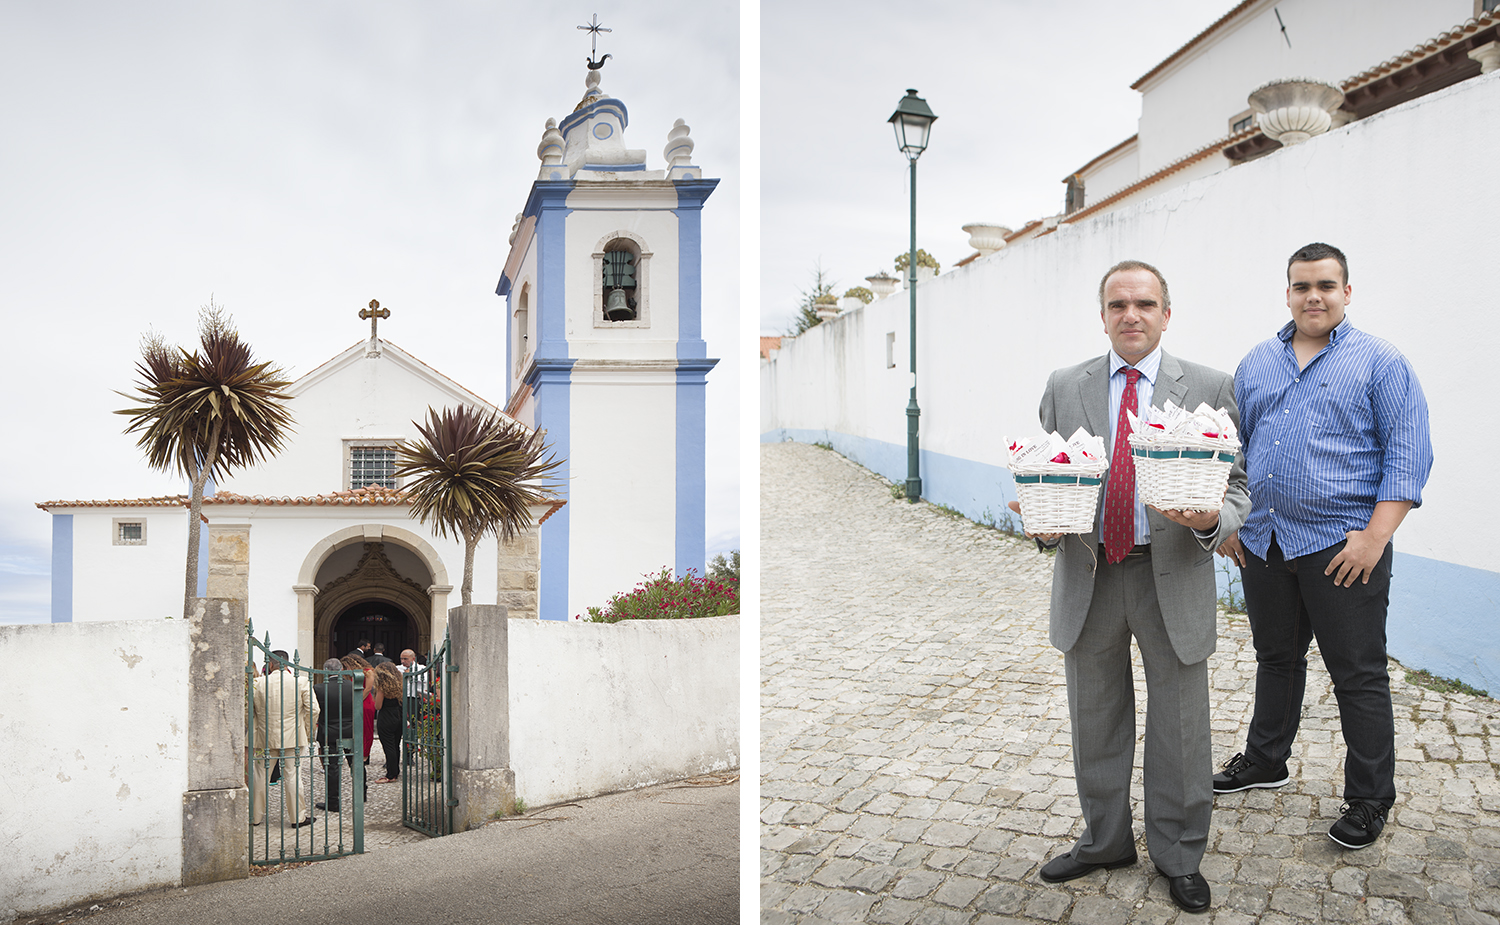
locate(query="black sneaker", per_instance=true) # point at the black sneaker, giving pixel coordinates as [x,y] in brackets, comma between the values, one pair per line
[1362,821]
[1240,773]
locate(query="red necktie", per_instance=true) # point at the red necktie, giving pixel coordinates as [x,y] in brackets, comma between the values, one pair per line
[1119,497]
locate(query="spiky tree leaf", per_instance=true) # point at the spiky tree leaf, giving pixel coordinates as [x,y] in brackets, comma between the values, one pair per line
[206,413]
[473,473]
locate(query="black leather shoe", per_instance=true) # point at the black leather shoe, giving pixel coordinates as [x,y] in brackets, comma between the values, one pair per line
[1190,891]
[304,822]
[1065,867]
[332,809]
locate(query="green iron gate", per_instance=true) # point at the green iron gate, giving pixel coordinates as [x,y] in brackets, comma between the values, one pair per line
[307,776]
[426,761]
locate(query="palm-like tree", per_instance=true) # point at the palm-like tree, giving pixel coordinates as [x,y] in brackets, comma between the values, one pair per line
[206,413]
[474,473]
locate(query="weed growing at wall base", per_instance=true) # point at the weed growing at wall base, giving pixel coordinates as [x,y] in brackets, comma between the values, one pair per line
[1442,685]
[662,597]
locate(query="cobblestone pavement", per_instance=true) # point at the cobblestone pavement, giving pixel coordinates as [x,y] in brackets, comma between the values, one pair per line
[383,826]
[915,747]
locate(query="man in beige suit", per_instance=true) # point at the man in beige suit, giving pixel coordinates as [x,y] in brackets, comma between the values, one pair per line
[283,715]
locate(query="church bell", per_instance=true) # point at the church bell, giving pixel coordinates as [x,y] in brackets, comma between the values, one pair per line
[617,307]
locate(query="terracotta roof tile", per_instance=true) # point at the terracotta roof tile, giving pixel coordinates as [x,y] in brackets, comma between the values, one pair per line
[1207,150]
[1424,50]
[160,501]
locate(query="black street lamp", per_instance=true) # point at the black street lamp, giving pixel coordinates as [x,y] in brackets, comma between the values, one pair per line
[913,123]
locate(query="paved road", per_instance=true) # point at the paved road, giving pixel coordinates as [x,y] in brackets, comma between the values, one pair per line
[663,854]
[915,750]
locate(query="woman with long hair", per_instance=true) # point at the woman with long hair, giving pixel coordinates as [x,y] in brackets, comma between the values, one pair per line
[354,662]
[388,719]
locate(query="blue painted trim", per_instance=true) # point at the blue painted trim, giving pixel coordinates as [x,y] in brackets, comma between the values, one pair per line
[606,103]
[691,538]
[1445,618]
[691,194]
[551,383]
[62,568]
[544,195]
[550,303]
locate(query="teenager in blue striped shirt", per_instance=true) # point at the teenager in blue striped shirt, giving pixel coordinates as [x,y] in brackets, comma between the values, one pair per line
[1337,448]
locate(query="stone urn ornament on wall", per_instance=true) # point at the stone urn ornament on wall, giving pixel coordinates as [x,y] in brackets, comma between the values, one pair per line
[1292,110]
[986,238]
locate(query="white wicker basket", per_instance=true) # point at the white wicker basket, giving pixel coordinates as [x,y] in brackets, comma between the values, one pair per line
[1181,477]
[1059,498]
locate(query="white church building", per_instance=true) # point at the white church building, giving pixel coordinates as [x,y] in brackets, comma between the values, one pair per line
[604,350]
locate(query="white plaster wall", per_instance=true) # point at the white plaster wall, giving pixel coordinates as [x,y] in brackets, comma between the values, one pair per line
[525,279]
[645,212]
[1410,195]
[1191,103]
[282,537]
[597,708]
[1112,175]
[621,490]
[129,582]
[366,399]
[94,721]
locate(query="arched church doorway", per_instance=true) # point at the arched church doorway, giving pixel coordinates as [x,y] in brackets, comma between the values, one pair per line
[381,622]
[376,591]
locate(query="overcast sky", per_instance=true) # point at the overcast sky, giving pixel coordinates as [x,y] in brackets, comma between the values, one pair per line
[293,161]
[1025,91]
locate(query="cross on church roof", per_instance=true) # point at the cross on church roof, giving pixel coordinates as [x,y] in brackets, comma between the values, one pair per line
[593,28]
[374,313]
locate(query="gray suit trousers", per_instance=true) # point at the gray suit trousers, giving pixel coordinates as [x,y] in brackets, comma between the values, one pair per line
[1178,761]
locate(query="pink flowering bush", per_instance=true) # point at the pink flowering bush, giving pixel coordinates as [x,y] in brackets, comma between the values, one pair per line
[661,597]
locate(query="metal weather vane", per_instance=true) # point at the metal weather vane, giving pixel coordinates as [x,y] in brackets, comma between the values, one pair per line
[593,28]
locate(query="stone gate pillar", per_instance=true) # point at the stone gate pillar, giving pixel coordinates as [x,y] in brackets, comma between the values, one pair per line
[479,698]
[216,806]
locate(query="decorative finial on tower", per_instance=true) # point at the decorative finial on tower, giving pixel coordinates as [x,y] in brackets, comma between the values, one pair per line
[593,29]
[550,151]
[374,313]
[679,152]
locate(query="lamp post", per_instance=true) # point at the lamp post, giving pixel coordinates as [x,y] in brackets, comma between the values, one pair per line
[913,122]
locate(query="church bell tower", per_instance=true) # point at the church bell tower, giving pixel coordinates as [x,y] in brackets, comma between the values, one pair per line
[605,350]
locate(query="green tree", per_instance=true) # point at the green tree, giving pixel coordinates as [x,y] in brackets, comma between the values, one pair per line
[807,308]
[205,414]
[924,259]
[474,473]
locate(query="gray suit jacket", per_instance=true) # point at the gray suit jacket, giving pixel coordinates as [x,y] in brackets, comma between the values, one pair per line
[1079,396]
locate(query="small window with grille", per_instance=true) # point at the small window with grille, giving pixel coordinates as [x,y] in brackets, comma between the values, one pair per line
[1241,122]
[371,464]
[129,532]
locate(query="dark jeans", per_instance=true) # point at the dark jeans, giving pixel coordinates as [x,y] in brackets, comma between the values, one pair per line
[1290,603]
[334,772]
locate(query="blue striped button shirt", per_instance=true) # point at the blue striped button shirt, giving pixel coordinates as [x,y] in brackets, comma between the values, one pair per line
[1145,388]
[1325,443]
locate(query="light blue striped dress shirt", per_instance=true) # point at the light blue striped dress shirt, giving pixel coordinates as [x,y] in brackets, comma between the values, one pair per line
[1325,443]
[1145,387]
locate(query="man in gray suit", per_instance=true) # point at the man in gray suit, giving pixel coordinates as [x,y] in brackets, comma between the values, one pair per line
[1142,573]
